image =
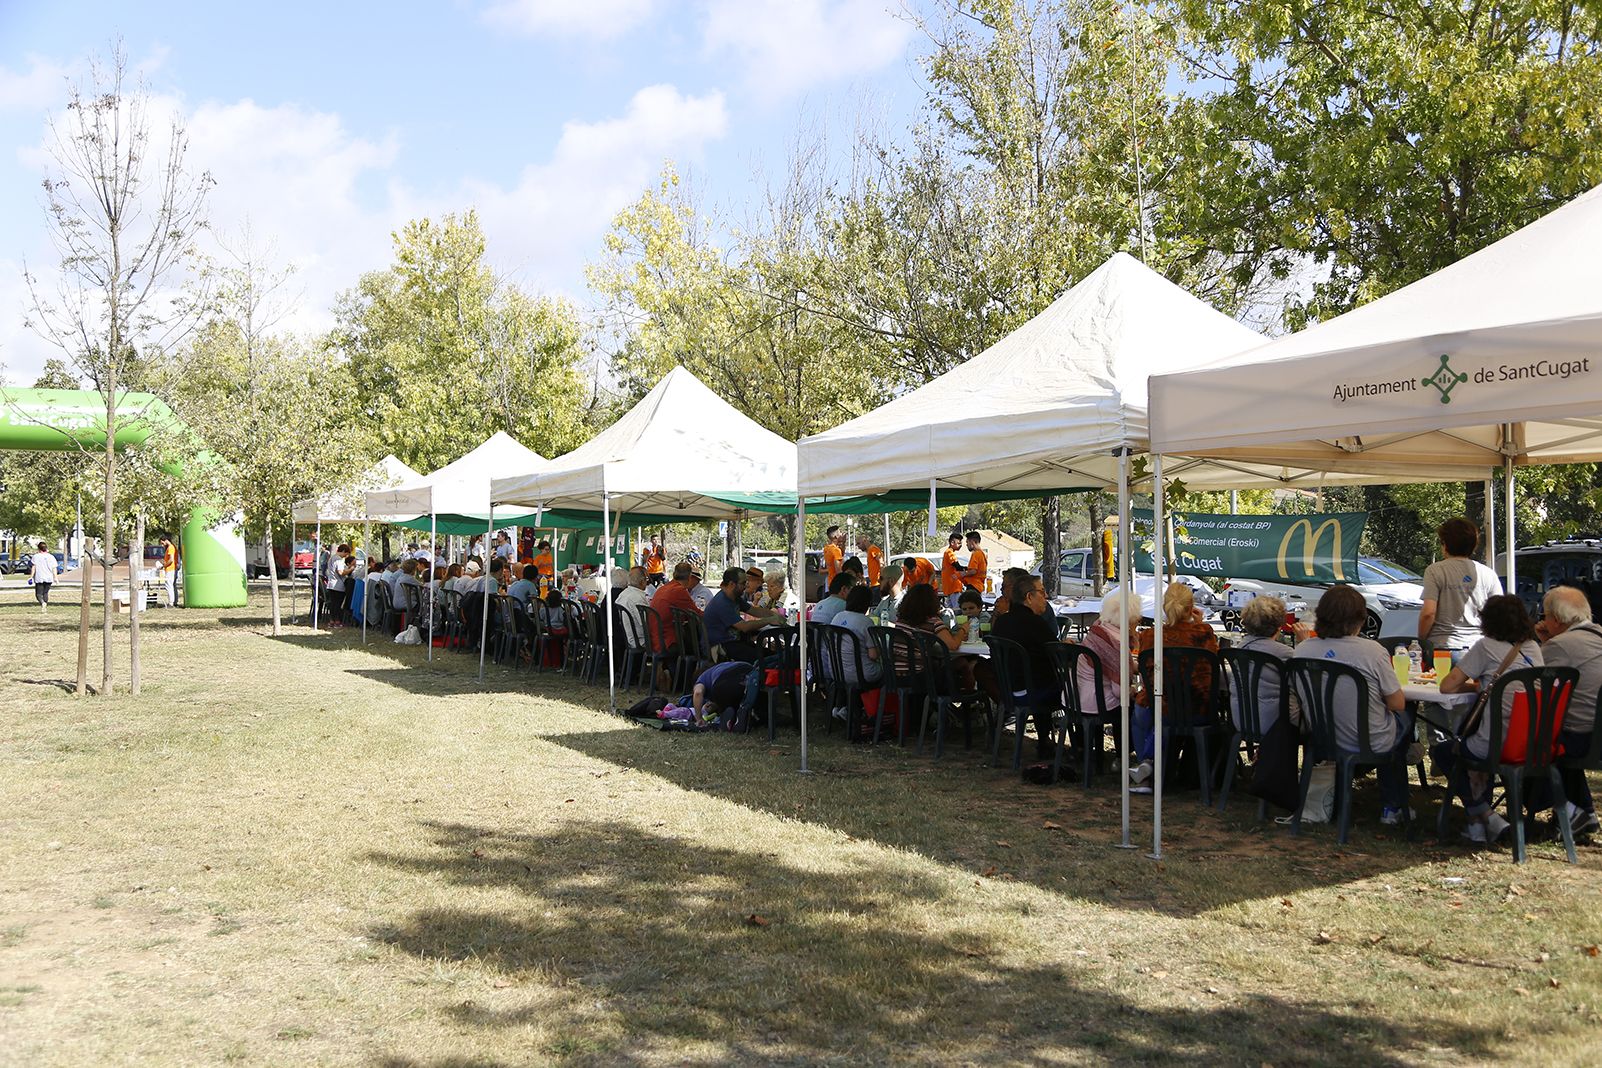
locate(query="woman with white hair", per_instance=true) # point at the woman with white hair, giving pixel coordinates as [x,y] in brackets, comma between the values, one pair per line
[1182,626]
[1104,639]
[1262,619]
[777,596]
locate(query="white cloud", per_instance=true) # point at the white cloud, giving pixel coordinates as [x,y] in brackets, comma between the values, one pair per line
[35,89]
[569,18]
[546,225]
[784,47]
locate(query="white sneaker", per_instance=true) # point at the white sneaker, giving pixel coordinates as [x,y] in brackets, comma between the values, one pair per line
[1474,832]
[840,713]
[1140,773]
[1581,822]
[1495,826]
[1392,817]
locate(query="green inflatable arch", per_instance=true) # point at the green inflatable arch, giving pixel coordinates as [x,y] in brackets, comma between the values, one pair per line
[66,420]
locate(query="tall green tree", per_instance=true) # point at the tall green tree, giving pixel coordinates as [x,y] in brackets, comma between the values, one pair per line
[271,409]
[442,353]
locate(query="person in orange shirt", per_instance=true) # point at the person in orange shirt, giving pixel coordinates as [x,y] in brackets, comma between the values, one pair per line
[169,571]
[833,554]
[545,564]
[873,555]
[950,570]
[978,564]
[652,560]
[919,571]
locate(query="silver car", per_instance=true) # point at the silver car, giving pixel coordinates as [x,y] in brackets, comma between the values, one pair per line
[1393,594]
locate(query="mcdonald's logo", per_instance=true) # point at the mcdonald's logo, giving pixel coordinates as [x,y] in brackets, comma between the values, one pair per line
[1310,540]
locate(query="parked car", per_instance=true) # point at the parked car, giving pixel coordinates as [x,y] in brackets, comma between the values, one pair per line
[1572,562]
[256,559]
[1393,593]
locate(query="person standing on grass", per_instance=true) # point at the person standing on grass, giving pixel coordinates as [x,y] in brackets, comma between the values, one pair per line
[1455,589]
[951,570]
[43,576]
[974,575]
[169,570]
[833,554]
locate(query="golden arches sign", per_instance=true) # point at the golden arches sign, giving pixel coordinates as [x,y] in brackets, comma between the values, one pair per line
[1310,540]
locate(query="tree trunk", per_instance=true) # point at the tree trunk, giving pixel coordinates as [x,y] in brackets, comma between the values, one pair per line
[386,548]
[272,576]
[1097,579]
[1474,506]
[108,611]
[85,584]
[136,599]
[1051,531]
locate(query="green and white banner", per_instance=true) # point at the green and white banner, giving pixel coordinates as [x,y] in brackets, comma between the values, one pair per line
[1285,548]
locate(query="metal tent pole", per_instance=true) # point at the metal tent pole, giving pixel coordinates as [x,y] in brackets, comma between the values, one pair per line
[483,630]
[1123,644]
[1160,583]
[886,545]
[433,594]
[1510,545]
[317,571]
[606,594]
[367,580]
[294,587]
[801,623]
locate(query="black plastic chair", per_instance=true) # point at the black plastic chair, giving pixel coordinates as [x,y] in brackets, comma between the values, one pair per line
[1590,759]
[1016,682]
[1245,670]
[628,668]
[1314,682]
[778,654]
[695,649]
[525,629]
[903,674]
[941,694]
[654,629]
[1187,712]
[848,668]
[1065,661]
[450,607]
[1547,691]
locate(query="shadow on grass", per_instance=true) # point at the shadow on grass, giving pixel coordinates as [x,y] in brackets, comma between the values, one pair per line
[1060,838]
[653,944]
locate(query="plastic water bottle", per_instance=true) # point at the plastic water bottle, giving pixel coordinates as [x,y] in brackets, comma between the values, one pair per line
[1415,657]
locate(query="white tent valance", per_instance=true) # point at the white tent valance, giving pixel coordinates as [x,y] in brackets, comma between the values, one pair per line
[671,452]
[461,487]
[1497,356]
[348,504]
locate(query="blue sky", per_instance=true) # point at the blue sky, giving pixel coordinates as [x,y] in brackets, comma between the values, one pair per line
[327,126]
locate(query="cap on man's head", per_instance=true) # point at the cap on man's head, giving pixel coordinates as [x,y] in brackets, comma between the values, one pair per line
[472,567]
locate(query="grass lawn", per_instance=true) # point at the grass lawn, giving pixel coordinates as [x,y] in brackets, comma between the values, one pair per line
[303,851]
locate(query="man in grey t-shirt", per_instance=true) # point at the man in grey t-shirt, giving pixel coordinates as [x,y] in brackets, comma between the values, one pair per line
[1455,589]
[1385,728]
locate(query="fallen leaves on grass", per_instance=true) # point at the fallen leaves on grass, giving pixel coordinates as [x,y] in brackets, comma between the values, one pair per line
[1324,938]
[1591,951]
[757,921]
[1049,826]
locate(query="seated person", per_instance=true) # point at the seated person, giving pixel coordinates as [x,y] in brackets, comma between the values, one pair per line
[1571,639]
[1031,623]
[1105,640]
[553,614]
[892,584]
[1182,626]
[825,610]
[700,592]
[629,600]
[1339,618]
[1262,620]
[1004,601]
[725,629]
[1507,643]
[671,595]
[920,611]
[855,619]
[777,596]
[524,589]
[971,604]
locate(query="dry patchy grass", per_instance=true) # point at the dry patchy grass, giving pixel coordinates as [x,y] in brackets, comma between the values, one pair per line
[300,850]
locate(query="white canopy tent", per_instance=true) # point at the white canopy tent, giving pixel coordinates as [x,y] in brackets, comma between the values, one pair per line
[1047,407]
[1058,404]
[346,504]
[1494,359]
[461,487]
[676,451]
